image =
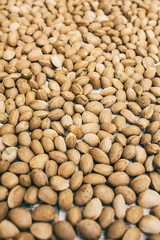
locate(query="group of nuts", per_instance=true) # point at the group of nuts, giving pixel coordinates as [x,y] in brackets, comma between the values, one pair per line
[79,119]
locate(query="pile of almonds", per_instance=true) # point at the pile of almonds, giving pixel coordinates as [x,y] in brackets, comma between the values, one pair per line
[80,119]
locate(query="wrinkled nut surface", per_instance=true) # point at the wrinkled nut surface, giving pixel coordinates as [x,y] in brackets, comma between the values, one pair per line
[79,119]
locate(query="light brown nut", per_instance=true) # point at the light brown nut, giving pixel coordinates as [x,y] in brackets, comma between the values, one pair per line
[104,193]
[119,179]
[39,161]
[94,179]
[64,230]
[65,199]
[7,129]
[75,130]
[3,193]
[120,122]
[38,177]
[156,136]
[12,38]
[89,229]
[130,117]
[51,168]
[25,180]
[105,144]
[156,160]
[134,214]
[140,183]
[152,148]
[94,107]
[83,195]
[132,233]
[149,224]
[20,217]
[3,210]
[134,108]
[143,101]
[58,156]
[8,229]
[99,155]
[105,116]
[71,140]
[148,199]
[131,130]
[31,195]
[74,215]
[154,237]
[86,163]
[115,152]
[4,165]
[103,169]
[119,206]
[76,180]
[155,177]
[2,146]
[135,169]
[35,55]
[16,196]
[24,235]
[47,195]
[43,212]
[24,139]
[66,169]
[19,167]
[141,154]
[106,217]
[82,147]
[89,117]
[129,152]
[73,155]
[9,140]
[60,144]
[9,179]
[93,209]
[58,183]
[25,154]
[47,144]
[155,211]
[92,139]
[109,127]
[41,230]
[116,229]
[128,194]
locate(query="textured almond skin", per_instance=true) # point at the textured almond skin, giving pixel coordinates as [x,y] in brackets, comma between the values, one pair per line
[64,230]
[89,229]
[83,195]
